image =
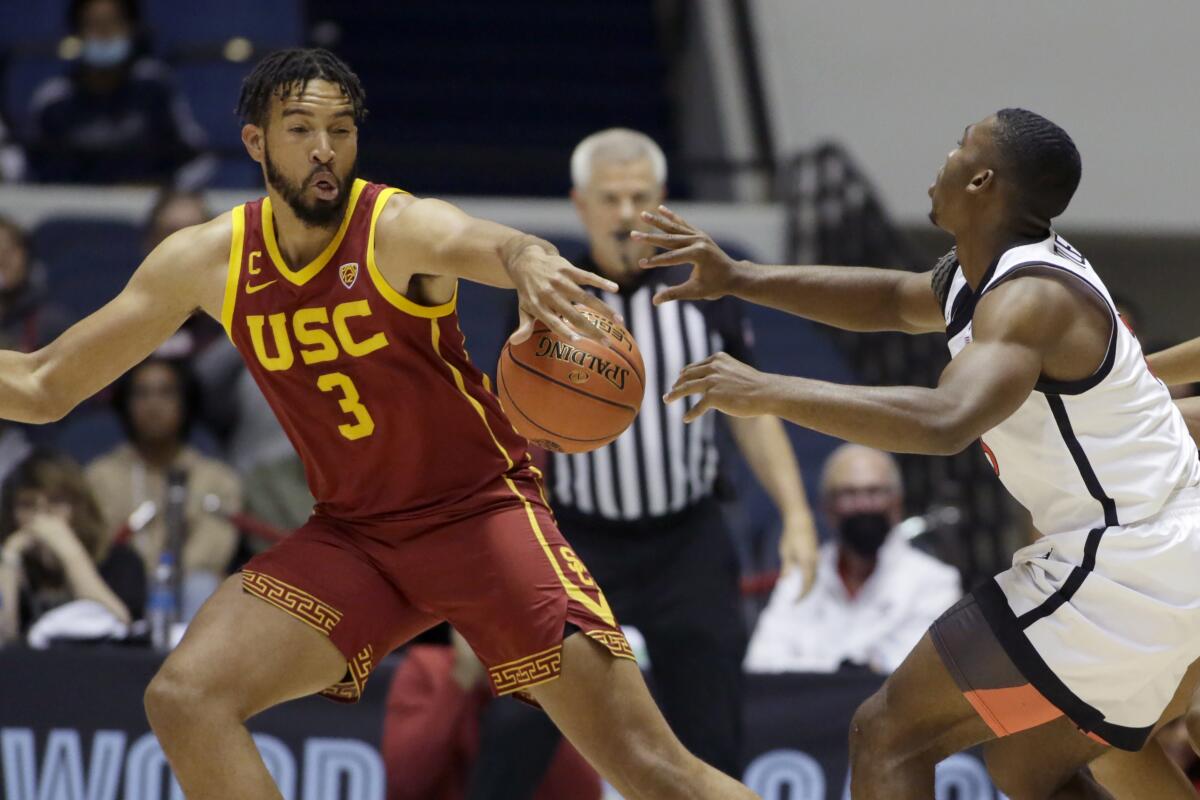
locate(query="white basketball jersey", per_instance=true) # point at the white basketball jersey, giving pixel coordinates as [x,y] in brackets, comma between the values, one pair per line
[1103,451]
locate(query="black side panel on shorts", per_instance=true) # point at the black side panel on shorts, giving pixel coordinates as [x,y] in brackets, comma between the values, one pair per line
[1011,634]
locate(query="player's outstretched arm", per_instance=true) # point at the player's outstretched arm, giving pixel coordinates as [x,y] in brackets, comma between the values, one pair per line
[1014,328]
[169,285]
[851,298]
[445,241]
[1178,364]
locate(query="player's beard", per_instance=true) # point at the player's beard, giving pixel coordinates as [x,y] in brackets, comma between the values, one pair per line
[316,213]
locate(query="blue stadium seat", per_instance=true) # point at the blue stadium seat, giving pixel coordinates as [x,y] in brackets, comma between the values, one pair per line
[88,261]
[90,431]
[212,87]
[266,23]
[24,24]
[23,75]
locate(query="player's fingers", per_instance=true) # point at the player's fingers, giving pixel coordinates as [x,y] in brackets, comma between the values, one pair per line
[685,388]
[697,411]
[600,307]
[684,255]
[585,278]
[524,329]
[577,321]
[663,223]
[675,218]
[688,290]
[670,241]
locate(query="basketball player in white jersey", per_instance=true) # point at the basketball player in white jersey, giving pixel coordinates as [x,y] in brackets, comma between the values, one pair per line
[1088,635]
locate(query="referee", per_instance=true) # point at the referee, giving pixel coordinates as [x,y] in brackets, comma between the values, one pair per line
[641,512]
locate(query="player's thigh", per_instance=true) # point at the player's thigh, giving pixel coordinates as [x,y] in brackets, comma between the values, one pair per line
[247,655]
[918,710]
[602,705]
[1036,762]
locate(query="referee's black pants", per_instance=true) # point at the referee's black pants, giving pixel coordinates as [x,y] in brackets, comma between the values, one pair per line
[675,579]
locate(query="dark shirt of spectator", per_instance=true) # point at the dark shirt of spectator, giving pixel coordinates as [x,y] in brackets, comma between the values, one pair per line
[29,319]
[118,116]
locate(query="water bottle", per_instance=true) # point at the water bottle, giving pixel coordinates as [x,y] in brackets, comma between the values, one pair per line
[166,590]
[162,604]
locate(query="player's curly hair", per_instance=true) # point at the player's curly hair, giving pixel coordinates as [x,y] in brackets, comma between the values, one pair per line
[1044,159]
[285,73]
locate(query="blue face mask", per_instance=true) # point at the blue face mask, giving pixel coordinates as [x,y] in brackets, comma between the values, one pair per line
[106,53]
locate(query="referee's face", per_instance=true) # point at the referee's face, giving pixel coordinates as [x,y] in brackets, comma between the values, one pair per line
[610,207]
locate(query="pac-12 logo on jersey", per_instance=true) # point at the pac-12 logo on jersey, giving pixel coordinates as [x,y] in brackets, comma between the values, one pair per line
[348,273]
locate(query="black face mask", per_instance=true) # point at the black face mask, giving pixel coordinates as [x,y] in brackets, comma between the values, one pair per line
[864,533]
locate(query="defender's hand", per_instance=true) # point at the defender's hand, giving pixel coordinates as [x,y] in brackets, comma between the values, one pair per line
[723,383]
[713,272]
[547,287]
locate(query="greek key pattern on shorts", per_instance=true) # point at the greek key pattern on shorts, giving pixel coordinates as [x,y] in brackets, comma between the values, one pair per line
[360,669]
[528,671]
[301,605]
[615,641]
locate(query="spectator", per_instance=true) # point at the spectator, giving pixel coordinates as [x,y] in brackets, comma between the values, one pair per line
[53,550]
[28,320]
[172,211]
[117,118]
[874,594]
[156,402]
[437,704]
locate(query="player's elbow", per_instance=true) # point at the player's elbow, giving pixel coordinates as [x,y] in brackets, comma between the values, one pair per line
[949,435]
[44,403]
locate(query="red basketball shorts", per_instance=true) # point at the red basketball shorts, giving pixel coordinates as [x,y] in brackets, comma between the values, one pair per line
[498,570]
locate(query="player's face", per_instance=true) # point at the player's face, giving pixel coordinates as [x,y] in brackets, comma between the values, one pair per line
[156,404]
[610,207]
[309,152]
[950,191]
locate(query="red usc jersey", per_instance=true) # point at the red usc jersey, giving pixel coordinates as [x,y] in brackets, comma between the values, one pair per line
[376,392]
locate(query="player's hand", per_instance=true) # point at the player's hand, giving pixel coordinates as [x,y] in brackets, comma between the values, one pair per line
[722,383]
[548,287]
[713,271]
[798,548]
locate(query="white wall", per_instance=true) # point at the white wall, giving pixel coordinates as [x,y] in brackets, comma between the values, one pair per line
[897,80]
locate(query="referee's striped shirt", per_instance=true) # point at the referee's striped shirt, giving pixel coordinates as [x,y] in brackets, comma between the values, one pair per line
[659,466]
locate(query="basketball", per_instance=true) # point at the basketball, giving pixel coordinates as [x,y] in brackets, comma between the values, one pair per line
[571,397]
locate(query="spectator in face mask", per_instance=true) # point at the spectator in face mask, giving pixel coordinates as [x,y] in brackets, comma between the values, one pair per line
[118,117]
[874,594]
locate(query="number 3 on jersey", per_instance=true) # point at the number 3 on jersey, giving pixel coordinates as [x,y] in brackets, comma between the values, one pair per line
[363,425]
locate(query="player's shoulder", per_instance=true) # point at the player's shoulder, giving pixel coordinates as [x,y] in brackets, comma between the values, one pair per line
[1037,302]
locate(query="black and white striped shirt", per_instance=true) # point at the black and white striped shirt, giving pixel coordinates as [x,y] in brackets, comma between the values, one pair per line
[659,466]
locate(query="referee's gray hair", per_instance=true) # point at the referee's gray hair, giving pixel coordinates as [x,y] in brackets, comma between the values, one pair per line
[615,145]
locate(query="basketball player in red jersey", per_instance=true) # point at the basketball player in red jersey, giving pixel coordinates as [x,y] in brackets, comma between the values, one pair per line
[340,296]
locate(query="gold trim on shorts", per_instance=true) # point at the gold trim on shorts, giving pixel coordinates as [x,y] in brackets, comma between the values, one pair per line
[525,673]
[300,604]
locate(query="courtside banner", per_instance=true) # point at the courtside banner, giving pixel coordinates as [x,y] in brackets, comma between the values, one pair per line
[72,728]
[797,731]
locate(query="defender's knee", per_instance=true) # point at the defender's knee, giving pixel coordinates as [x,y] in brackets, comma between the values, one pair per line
[871,729]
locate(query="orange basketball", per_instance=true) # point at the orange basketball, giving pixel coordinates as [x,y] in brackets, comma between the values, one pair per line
[571,397]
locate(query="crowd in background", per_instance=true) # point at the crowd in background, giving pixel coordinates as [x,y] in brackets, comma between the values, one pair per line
[80,543]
